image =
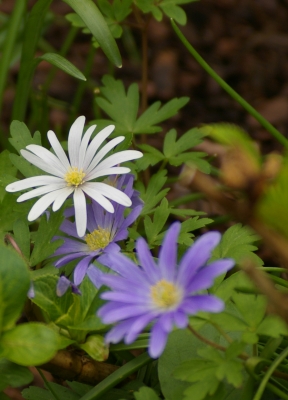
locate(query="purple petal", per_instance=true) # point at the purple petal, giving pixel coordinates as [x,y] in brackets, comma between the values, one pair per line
[125,267]
[146,260]
[180,319]
[95,275]
[207,303]
[158,340]
[120,312]
[70,257]
[166,321]
[197,256]
[205,277]
[168,252]
[123,284]
[62,285]
[81,269]
[69,228]
[125,297]
[137,326]
[71,246]
[117,333]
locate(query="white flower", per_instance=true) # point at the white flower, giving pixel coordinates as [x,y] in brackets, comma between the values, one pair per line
[74,175]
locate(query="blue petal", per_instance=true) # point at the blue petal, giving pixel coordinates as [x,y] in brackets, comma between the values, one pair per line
[146,260]
[168,252]
[81,269]
[208,303]
[158,340]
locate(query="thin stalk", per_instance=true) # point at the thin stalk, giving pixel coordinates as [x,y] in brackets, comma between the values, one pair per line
[277,391]
[116,377]
[8,47]
[47,384]
[269,373]
[262,121]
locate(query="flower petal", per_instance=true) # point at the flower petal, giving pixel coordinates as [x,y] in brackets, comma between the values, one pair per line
[208,303]
[40,191]
[56,146]
[110,192]
[158,340]
[62,197]
[46,156]
[102,153]
[168,252]
[35,160]
[117,333]
[27,183]
[95,195]
[81,269]
[119,313]
[40,206]
[121,156]
[147,262]
[137,326]
[84,145]
[197,256]
[96,173]
[74,140]
[80,211]
[95,275]
[96,143]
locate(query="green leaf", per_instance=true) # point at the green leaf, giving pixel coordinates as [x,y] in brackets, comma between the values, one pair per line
[13,375]
[146,393]
[237,243]
[251,307]
[63,64]
[29,344]
[14,285]
[62,392]
[160,217]
[96,347]
[8,167]
[153,194]
[273,326]
[11,211]
[95,22]
[22,236]
[21,136]
[175,12]
[46,298]
[48,227]
[123,108]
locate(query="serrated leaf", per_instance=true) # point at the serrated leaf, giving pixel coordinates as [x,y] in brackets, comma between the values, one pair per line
[60,62]
[232,371]
[237,243]
[43,247]
[273,326]
[62,392]
[27,169]
[146,393]
[160,217]
[153,194]
[11,211]
[10,171]
[251,307]
[22,236]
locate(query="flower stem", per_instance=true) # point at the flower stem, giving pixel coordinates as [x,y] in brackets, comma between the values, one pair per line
[47,384]
[262,121]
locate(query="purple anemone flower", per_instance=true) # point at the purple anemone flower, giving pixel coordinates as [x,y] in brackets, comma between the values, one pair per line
[63,284]
[104,230]
[163,294]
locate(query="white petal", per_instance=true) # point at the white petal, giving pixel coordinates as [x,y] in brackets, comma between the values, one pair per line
[80,212]
[40,163]
[110,192]
[74,140]
[120,157]
[27,183]
[62,196]
[98,197]
[84,145]
[46,156]
[97,172]
[58,149]
[41,205]
[102,153]
[96,143]
[40,191]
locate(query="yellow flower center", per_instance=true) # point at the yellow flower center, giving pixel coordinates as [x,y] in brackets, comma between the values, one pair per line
[98,239]
[74,177]
[165,294]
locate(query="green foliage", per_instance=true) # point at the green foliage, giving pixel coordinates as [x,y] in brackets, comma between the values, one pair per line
[146,393]
[63,64]
[22,236]
[13,375]
[14,285]
[95,347]
[10,172]
[123,108]
[272,206]
[11,211]
[63,393]
[237,243]
[174,152]
[29,344]
[95,22]
[169,7]
[43,247]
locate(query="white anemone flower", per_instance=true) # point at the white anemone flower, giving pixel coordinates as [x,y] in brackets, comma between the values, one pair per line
[74,174]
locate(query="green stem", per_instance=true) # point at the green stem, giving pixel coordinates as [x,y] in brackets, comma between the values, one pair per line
[272,269]
[269,373]
[47,384]
[8,47]
[262,121]
[116,377]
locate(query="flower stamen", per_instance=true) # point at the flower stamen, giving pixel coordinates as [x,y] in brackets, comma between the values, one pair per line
[98,239]
[74,177]
[165,294]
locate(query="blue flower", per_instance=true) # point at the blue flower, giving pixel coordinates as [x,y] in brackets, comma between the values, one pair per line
[162,294]
[104,230]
